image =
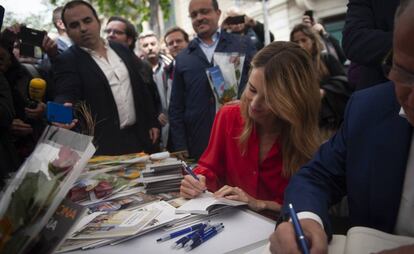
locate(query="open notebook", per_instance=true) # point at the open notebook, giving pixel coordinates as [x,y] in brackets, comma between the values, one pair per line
[363,240]
[366,240]
[205,203]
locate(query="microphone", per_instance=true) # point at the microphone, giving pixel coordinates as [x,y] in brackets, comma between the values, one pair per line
[37,90]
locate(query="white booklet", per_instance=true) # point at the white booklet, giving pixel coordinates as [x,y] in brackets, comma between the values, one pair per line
[205,203]
[366,240]
[116,224]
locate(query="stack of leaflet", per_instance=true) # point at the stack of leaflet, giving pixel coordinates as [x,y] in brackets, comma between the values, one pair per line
[162,177]
[113,227]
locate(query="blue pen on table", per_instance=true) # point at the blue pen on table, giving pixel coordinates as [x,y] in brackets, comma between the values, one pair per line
[197,237]
[181,232]
[300,236]
[182,242]
[207,235]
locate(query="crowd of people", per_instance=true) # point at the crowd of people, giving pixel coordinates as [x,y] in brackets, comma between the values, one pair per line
[297,132]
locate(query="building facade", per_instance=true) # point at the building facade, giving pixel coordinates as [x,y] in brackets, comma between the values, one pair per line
[282,14]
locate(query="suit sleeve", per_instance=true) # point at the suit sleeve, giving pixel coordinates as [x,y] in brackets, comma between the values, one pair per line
[66,80]
[147,95]
[363,42]
[211,163]
[177,112]
[322,182]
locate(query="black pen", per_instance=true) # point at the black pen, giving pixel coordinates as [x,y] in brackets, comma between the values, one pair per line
[300,236]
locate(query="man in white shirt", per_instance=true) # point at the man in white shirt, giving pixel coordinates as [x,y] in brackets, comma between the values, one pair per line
[105,76]
[370,159]
[151,52]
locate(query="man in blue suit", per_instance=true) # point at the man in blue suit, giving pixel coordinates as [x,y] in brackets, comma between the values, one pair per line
[192,105]
[371,159]
[106,76]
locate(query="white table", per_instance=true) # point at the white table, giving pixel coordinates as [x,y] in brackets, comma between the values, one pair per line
[244,232]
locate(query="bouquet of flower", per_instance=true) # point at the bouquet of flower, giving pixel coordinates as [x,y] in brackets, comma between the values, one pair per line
[40,185]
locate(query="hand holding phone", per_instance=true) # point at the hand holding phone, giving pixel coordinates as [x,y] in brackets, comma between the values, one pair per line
[309,13]
[31,41]
[59,113]
[235,20]
[31,36]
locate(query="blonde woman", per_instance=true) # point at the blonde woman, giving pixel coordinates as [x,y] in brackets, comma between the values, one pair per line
[331,75]
[257,145]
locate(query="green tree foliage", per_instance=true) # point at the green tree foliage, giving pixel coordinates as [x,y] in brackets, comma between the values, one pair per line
[136,11]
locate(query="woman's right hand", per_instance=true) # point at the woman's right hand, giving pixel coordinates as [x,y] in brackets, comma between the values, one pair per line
[191,187]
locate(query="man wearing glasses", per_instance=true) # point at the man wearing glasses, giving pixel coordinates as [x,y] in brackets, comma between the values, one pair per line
[370,159]
[122,31]
[192,106]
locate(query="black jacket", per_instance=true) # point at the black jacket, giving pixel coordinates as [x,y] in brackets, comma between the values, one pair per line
[79,78]
[367,38]
[8,155]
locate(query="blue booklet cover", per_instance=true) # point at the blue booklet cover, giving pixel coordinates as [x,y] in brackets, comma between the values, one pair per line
[217,80]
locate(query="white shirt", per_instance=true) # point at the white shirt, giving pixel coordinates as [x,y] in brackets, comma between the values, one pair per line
[209,49]
[118,78]
[405,222]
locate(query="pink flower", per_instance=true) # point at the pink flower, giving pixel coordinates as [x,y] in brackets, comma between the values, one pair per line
[67,158]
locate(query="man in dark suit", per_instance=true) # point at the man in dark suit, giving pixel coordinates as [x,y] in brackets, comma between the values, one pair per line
[371,159]
[105,76]
[192,105]
[367,39]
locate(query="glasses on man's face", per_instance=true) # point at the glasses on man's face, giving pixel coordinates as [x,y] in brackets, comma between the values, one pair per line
[114,31]
[203,11]
[401,76]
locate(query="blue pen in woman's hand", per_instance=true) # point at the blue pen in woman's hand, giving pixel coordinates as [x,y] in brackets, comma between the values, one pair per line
[300,236]
[190,171]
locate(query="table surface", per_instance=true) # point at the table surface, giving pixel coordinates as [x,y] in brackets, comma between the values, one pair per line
[244,232]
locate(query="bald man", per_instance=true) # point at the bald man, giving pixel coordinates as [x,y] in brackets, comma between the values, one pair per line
[371,160]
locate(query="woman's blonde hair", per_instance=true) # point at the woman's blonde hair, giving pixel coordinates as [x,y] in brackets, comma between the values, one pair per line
[291,92]
[317,47]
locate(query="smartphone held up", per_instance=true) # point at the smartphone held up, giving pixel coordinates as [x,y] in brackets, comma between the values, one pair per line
[31,42]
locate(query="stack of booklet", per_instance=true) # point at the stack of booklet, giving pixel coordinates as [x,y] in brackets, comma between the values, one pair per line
[113,227]
[162,177]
